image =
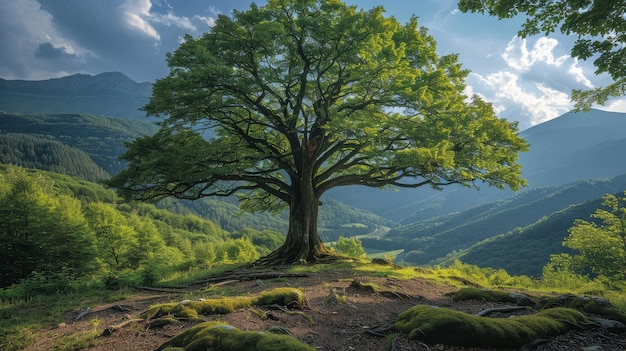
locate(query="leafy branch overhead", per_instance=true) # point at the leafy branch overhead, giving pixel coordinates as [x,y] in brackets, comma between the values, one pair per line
[600,28]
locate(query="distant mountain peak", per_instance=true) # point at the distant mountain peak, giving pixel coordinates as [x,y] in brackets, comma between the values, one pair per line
[108,94]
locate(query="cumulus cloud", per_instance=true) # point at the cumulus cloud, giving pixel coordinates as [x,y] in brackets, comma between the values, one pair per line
[136,14]
[29,40]
[41,39]
[534,84]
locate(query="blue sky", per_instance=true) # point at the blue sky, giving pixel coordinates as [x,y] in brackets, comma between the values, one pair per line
[528,81]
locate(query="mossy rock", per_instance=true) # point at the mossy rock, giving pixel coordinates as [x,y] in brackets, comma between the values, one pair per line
[431,324]
[190,310]
[213,336]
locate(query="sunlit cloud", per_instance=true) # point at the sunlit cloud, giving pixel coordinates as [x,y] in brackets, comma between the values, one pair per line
[535,83]
[136,15]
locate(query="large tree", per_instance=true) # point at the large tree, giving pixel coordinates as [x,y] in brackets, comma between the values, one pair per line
[600,27]
[279,104]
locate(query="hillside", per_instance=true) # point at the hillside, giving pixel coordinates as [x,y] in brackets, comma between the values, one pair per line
[429,240]
[107,94]
[31,151]
[102,138]
[526,250]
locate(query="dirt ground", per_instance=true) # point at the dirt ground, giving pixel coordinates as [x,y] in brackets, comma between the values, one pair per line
[327,324]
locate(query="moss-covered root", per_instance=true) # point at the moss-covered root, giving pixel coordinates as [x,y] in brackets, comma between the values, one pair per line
[593,305]
[210,336]
[190,310]
[472,293]
[431,324]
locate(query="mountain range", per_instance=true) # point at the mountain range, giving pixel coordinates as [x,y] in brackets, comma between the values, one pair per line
[110,94]
[573,160]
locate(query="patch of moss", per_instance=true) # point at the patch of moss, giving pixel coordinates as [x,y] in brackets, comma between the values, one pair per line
[282,296]
[190,310]
[472,293]
[211,336]
[444,326]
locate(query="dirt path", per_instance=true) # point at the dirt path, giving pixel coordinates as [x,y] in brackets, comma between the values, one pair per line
[328,324]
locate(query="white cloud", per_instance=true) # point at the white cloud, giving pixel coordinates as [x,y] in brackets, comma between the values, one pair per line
[136,15]
[518,57]
[32,46]
[535,82]
[172,20]
[617,105]
[505,89]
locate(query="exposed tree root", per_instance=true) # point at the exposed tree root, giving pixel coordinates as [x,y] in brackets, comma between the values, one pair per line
[505,309]
[248,276]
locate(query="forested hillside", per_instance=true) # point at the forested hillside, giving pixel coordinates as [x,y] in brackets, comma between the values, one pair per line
[526,250]
[38,152]
[102,138]
[57,227]
[426,241]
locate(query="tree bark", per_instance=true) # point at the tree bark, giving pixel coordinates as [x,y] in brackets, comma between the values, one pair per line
[303,243]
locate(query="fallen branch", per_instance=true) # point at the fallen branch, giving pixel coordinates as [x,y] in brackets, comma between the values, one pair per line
[109,330]
[83,313]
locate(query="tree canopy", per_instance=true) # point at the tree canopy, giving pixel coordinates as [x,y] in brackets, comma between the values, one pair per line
[280,103]
[600,27]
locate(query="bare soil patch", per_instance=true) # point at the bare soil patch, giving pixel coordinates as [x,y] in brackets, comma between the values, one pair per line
[339,317]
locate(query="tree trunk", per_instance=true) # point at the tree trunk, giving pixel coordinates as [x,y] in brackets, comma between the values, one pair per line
[303,243]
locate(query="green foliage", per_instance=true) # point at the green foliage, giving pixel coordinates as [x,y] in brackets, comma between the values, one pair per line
[599,246]
[440,325]
[264,241]
[350,246]
[41,233]
[58,229]
[220,336]
[600,28]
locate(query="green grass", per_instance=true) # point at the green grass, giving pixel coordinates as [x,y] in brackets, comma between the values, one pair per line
[19,320]
[78,341]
